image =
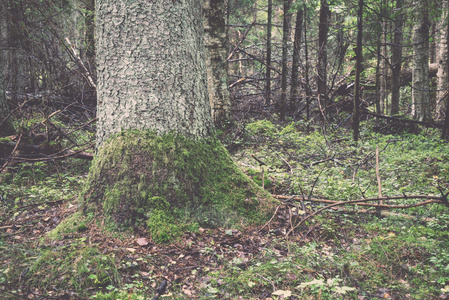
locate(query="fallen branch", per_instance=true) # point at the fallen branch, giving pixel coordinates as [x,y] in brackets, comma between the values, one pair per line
[12,153]
[41,156]
[361,202]
[430,200]
[403,120]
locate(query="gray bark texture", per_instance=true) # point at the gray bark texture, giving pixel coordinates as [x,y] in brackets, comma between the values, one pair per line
[396,59]
[217,67]
[443,64]
[5,125]
[285,39]
[325,15]
[151,68]
[421,106]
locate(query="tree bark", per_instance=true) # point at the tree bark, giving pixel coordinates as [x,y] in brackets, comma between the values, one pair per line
[396,60]
[5,124]
[323,29]
[89,34]
[358,71]
[268,70]
[157,162]
[443,64]
[217,67]
[421,105]
[294,87]
[151,73]
[285,36]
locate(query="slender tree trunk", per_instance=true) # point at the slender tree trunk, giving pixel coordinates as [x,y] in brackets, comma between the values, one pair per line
[382,60]
[294,87]
[378,73]
[307,66]
[358,71]
[285,38]
[268,70]
[217,66]
[421,105]
[89,34]
[5,124]
[396,60]
[443,64]
[323,29]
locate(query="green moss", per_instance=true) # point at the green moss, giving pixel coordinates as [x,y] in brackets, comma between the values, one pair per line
[261,127]
[5,140]
[171,183]
[80,267]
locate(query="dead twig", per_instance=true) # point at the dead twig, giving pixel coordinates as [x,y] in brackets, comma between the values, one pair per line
[269,221]
[12,153]
[431,200]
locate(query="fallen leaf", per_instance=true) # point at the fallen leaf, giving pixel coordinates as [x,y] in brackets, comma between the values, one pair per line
[142,241]
[132,250]
[282,293]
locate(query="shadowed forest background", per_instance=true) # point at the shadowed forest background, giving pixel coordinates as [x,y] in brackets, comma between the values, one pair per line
[338,109]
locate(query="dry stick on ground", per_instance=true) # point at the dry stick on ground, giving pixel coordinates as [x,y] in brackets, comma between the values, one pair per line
[379,184]
[269,221]
[12,153]
[433,199]
[65,153]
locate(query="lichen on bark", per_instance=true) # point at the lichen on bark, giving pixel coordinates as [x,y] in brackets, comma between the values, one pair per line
[170,183]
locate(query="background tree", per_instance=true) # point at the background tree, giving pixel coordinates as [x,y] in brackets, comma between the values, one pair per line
[358,71]
[294,88]
[443,64]
[216,54]
[285,72]
[268,61]
[396,59]
[5,125]
[324,19]
[421,104]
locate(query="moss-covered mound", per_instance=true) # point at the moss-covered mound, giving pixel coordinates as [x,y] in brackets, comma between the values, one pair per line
[170,183]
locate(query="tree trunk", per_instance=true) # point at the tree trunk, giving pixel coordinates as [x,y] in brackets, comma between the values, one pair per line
[268,71]
[150,74]
[5,124]
[358,71]
[157,161]
[383,99]
[308,90]
[421,106]
[217,66]
[396,60]
[443,64]
[285,36]
[323,29]
[89,34]
[294,87]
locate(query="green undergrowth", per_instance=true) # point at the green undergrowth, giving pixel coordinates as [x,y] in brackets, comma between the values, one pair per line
[170,184]
[302,160]
[78,267]
[349,257]
[32,184]
[356,253]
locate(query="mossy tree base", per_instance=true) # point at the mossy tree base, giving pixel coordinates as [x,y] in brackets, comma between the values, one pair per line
[170,183]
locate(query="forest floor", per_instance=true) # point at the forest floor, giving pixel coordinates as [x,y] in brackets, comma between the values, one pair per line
[348,252]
